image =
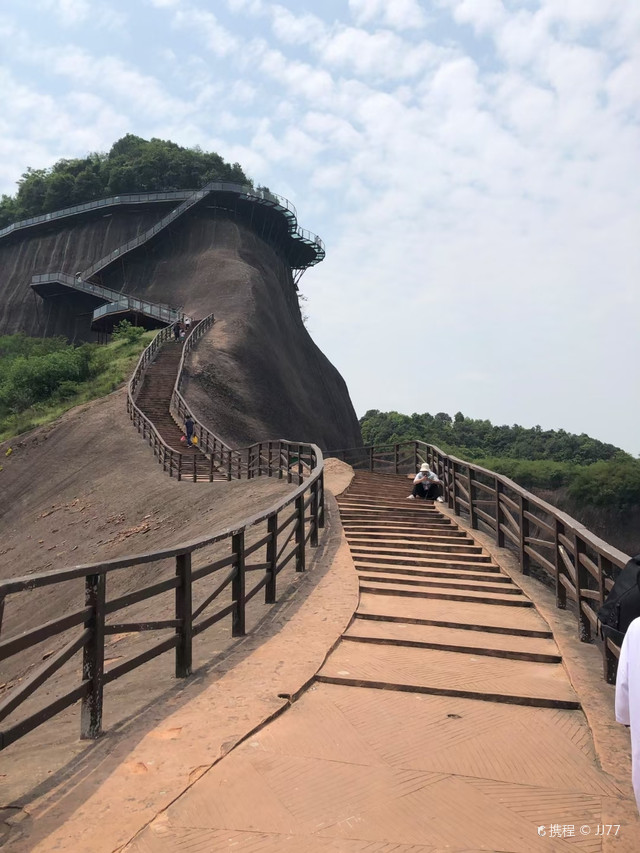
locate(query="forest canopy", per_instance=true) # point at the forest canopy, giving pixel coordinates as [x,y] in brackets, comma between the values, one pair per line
[593,472]
[132,165]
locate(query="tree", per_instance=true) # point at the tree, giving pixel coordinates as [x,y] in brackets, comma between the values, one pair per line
[132,165]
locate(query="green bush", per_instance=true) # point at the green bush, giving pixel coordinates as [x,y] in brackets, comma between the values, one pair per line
[615,483]
[132,165]
[595,473]
[126,331]
[40,378]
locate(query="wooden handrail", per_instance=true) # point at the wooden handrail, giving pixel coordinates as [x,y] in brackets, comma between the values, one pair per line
[582,566]
[299,463]
[97,607]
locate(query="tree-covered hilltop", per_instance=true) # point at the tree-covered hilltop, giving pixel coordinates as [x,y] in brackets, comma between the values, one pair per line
[132,165]
[474,439]
[595,473]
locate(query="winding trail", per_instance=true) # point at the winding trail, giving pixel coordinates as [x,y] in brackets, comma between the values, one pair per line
[443,719]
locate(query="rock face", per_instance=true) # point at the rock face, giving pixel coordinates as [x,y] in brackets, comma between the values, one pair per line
[66,246]
[256,375]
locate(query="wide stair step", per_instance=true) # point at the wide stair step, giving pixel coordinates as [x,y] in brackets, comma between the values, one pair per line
[436,614]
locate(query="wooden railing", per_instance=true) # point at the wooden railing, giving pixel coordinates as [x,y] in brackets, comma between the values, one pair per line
[279,535]
[173,461]
[582,566]
[222,457]
[279,458]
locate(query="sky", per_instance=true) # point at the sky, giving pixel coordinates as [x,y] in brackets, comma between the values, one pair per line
[472,165]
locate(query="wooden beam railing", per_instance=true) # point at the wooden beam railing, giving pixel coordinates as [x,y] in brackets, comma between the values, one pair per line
[282,533]
[173,461]
[582,566]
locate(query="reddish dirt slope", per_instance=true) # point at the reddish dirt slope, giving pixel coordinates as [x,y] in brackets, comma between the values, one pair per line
[88,488]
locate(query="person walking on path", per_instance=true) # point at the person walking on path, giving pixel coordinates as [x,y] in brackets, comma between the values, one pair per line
[425,484]
[188,426]
[628,697]
[176,330]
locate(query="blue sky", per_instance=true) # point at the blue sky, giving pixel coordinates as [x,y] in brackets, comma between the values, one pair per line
[472,166]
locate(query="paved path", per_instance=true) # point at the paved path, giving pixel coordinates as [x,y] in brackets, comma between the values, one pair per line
[442,720]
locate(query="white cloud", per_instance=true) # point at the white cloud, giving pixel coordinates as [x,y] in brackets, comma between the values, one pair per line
[252,7]
[296,29]
[483,15]
[382,54]
[70,12]
[74,13]
[481,180]
[399,14]
[216,37]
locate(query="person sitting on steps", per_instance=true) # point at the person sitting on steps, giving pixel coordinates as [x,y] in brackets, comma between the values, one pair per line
[425,485]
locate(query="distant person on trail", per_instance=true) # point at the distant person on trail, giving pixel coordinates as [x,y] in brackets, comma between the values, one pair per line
[188,426]
[176,330]
[187,324]
[425,484]
[628,697]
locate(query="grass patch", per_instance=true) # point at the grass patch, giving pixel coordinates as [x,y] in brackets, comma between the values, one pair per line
[43,378]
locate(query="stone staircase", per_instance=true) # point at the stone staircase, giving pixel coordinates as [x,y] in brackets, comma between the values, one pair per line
[154,398]
[436,614]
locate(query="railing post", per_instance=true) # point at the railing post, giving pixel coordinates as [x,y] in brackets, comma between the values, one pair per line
[447,472]
[395,459]
[609,660]
[320,482]
[93,657]
[454,482]
[238,585]
[499,531]
[561,592]
[184,615]
[582,582]
[272,555]
[473,518]
[270,459]
[300,465]
[371,458]
[179,466]
[415,456]
[525,563]
[313,540]
[288,463]
[300,543]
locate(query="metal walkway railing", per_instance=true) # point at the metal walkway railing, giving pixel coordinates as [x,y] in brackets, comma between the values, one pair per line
[119,302]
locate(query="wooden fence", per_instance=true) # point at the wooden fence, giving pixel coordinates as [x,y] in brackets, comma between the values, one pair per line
[281,534]
[582,566]
[173,461]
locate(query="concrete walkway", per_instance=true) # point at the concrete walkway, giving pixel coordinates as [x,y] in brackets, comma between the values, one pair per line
[444,719]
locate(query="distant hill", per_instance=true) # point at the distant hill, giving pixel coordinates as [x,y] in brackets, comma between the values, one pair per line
[133,165]
[579,470]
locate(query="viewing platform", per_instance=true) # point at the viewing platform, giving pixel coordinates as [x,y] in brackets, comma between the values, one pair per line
[438,702]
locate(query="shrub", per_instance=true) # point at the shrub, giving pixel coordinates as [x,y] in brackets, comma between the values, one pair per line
[126,331]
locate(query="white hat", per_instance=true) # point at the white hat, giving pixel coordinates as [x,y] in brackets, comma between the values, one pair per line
[424,467]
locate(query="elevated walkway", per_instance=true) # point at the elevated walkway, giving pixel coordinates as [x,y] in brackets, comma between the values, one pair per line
[262,208]
[113,305]
[445,718]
